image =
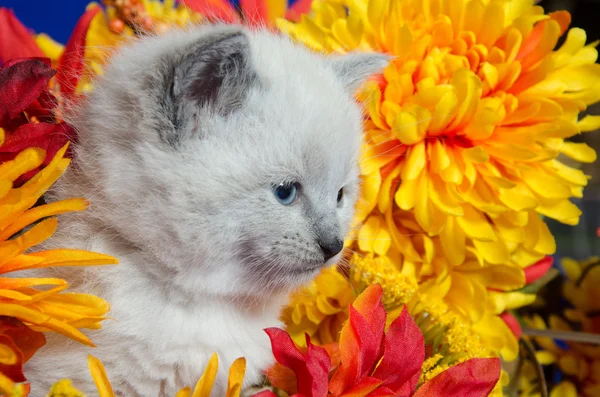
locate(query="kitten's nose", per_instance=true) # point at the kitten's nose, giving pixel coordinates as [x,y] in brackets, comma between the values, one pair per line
[331,248]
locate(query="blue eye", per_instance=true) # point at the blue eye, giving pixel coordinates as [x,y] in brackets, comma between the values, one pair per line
[286,192]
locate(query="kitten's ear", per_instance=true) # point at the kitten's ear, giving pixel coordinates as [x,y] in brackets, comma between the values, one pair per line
[354,68]
[216,73]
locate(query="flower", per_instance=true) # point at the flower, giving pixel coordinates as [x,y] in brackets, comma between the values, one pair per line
[319,309]
[48,309]
[22,224]
[463,134]
[203,387]
[26,119]
[70,62]
[376,362]
[121,21]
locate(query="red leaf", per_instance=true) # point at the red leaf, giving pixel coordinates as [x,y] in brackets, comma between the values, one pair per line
[70,64]
[296,10]
[312,369]
[403,355]
[512,323]
[20,84]
[255,12]
[50,137]
[361,340]
[318,363]
[472,378]
[538,269]
[214,10]
[15,40]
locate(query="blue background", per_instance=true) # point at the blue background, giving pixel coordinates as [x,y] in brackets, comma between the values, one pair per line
[56,18]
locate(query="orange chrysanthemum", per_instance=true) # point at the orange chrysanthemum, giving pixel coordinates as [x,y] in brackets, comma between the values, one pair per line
[463,135]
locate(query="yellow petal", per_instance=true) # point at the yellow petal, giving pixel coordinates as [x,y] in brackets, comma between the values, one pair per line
[475,225]
[545,357]
[205,384]
[589,123]
[415,162]
[100,379]
[564,389]
[236,377]
[509,300]
[579,151]
[185,392]
[406,195]
[43,211]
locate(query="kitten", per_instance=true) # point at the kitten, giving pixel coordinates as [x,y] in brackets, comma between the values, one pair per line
[221,165]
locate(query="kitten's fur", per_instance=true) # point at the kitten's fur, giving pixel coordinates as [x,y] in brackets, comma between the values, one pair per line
[180,145]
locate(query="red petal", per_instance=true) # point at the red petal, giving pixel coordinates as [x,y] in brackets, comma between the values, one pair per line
[403,356]
[472,378]
[70,64]
[27,340]
[296,10]
[311,371]
[255,12]
[318,364]
[20,84]
[50,137]
[15,39]
[366,387]
[538,269]
[215,10]
[512,323]
[31,135]
[361,340]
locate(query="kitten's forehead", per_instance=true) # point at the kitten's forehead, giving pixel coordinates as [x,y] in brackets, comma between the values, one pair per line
[306,108]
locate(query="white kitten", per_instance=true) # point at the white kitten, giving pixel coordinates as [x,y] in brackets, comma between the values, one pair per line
[221,165]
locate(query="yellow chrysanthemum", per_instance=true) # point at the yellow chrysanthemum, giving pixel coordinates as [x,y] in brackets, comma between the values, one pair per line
[41,309]
[319,309]
[203,387]
[462,139]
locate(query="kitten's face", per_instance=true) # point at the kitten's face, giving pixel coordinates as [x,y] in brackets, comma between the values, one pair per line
[236,160]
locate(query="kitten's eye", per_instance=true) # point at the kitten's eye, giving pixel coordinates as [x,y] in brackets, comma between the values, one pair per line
[340,195]
[286,192]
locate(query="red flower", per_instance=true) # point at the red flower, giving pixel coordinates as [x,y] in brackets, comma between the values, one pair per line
[26,111]
[27,104]
[376,363]
[538,269]
[17,42]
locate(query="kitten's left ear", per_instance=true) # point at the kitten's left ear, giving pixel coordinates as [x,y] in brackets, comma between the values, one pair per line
[354,68]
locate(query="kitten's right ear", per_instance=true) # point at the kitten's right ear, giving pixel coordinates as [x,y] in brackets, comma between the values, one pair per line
[214,74]
[216,71]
